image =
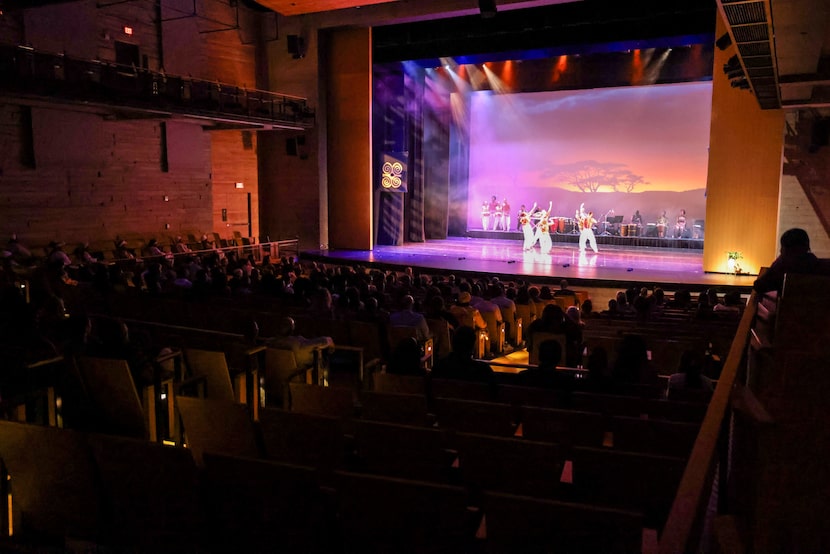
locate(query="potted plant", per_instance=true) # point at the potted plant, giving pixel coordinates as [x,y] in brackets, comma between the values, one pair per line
[732,264]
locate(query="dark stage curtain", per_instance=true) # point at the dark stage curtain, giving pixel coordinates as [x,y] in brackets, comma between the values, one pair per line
[413,114]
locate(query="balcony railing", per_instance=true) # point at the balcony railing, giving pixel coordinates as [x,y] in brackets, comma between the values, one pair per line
[27,72]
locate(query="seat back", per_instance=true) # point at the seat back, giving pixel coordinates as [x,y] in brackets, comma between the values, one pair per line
[403,384]
[52,482]
[329,401]
[495,330]
[538,338]
[486,418]
[151,495]
[402,451]
[213,367]
[280,368]
[440,330]
[566,427]
[254,505]
[217,426]
[111,390]
[406,409]
[303,439]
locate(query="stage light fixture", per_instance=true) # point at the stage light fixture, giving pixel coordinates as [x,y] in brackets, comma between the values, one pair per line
[724,42]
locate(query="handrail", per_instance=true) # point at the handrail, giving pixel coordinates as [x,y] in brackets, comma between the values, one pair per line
[690,501]
[25,70]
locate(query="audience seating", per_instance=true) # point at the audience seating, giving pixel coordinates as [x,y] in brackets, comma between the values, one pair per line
[303,439]
[404,451]
[264,506]
[475,417]
[538,338]
[566,427]
[407,409]
[217,426]
[383,514]
[330,401]
[517,466]
[534,525]
[403,384]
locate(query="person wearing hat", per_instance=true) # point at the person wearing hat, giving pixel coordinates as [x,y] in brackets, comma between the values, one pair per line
[467,315]
[153,248]
[57,255]
[122,252]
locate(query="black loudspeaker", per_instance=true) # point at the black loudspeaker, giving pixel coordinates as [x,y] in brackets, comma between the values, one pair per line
[296,46]
[487,8]
[724,41]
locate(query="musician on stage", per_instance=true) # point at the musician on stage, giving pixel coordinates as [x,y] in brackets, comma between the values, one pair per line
[485,215]
[680,225]
[505,214]
[585,222]
[637,219]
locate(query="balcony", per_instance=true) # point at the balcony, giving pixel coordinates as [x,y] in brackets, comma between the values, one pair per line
[126,92]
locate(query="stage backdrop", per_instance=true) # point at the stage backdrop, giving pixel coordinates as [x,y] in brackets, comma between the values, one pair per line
[616,150]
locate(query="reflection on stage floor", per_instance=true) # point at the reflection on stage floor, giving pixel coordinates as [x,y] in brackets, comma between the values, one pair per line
[614,264]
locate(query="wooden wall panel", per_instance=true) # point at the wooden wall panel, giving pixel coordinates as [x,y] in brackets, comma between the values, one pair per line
[745,157]
[232,163]
[115,190]
[348,67]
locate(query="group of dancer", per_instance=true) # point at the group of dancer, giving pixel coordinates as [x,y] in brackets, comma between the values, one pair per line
[536,224]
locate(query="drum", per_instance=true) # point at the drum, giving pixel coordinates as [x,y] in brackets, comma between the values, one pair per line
[560,224]
[569,225]
[661,230]
[623,230]
[633,230]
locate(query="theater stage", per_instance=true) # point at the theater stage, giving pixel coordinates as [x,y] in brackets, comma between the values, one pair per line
[615,266]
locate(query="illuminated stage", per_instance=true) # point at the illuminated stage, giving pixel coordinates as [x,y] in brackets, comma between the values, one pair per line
[614,266]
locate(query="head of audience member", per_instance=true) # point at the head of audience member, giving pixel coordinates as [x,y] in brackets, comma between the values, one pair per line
[522,295]
[732,298]
[612,305]
[712,297]
[464,341]
[691,364]
[545,293]
[407,303]
[682,298]
[598,361]
[573,314]
[550,354]
[795,241]
[587,307]
[632,359]
[563,284]
[533,292]
[406,358]
[286,327]
[464,298]
[435,305]
[552,314]
[659,296]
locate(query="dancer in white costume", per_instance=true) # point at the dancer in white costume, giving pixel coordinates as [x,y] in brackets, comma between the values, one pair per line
[542,227]
[527,228]
[545,242]
[586,222]
[485,215]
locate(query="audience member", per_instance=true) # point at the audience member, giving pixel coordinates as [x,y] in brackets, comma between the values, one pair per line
[460,364]
[795,257]
[408,317]
[467,315]
[305,349]
[690,374]
[545,373]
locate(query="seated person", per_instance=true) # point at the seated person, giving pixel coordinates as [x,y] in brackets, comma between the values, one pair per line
[545,374]
[408,317]
[406,359]
[563,289]
[689,374]
[459,364]
[467,315]
[795,257]
[304,349]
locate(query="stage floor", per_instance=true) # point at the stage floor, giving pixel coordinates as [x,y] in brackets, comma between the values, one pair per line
[614,266]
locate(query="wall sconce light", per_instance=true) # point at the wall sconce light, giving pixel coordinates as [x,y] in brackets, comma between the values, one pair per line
[240,185]
[166,198]
[128,30]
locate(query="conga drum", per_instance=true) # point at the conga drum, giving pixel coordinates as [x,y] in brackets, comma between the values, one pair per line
[634,229]
[624,230]
[560,225]
[661,230]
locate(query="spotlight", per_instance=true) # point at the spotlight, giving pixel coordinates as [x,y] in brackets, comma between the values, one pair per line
[724,42]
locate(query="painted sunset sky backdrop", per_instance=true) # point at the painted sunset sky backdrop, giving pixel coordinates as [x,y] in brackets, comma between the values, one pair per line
[523,147]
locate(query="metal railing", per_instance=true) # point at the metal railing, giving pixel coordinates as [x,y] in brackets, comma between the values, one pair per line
[25,71]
